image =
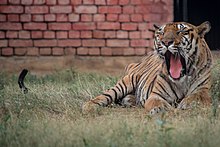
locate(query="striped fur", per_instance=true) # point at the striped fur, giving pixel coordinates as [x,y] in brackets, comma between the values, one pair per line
[150,83]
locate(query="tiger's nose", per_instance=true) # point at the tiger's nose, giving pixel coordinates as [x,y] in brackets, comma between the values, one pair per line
[167,43]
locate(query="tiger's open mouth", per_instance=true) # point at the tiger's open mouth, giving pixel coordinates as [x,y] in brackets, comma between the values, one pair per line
[176,65]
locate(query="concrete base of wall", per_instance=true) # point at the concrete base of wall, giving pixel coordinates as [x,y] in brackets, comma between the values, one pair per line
[45,65]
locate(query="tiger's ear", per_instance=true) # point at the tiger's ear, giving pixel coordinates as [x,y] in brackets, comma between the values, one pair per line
[156,26]
[204,28]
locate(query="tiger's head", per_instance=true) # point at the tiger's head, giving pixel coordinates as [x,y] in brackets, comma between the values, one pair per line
[178,44]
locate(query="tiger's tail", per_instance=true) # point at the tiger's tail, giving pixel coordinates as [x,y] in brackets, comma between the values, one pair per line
[22,75]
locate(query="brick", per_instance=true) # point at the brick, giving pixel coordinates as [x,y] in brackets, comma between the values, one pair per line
[20,51]
[62,17]
[70,51]
[51,2]
[36,9]
[7,51]
[112,17]
[117,51]
[35,26]
[25,17]
[2,17]
[20,43]
[129,26]
[136,18]
[36,34]
[136,2]
[38,18]
[49,34]
[143,26]
[146,34]
[58,51]
[152,17]
[74,34]
[2,34]
[122,34]
[88,2]
[3,43]
[39,2]
[157,8]
[63,2]
[86,17]
[108,25]
[100,2]
[69,43]
[13,17]
[135,35]
[129,52]
[86,9]
[102,9]
[86,34]
[45,43]
[11,34]
[62,34]
[94,51]
[11,9]
[82,51]
[139,43]
[59,26]
[93,43]
[114,9]
[106,51]
[14,1]
[45,51]
[110,34]
[140,51]
[142,9]
[24,34]
[128,9]
[98,34]
[3,2]
[124,18]
[76,2]
[124,2]
[117,43]
[112,2]
[26,2]
[73,17]
[32,51]
[50,17]
[61,9]
[98,17]
[84,26]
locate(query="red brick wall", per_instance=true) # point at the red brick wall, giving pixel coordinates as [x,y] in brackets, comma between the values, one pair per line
[79,27]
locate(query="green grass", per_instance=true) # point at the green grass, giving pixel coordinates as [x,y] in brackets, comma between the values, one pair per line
[50,115]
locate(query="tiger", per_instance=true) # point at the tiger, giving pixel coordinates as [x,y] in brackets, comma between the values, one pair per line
[175,75]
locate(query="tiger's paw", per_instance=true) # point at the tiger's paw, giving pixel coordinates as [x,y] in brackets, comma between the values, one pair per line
[187,104]
[156,110]
[155,105]
[89,107]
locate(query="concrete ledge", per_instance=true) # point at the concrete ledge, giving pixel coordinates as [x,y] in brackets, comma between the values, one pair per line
[46,64]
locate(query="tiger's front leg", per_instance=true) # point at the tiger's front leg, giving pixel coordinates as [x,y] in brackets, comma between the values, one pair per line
[124,87]
[200,98]
[154,105]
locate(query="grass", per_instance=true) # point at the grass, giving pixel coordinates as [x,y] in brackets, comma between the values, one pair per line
[50,115]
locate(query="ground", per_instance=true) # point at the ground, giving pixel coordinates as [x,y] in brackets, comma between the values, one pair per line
[50,115]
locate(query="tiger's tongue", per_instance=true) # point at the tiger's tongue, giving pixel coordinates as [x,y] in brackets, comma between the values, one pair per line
[175,67]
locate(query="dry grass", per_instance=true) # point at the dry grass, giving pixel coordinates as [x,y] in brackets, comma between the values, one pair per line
[50,115]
